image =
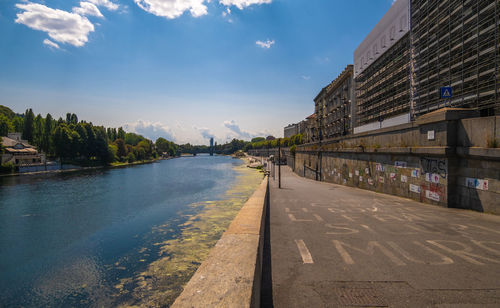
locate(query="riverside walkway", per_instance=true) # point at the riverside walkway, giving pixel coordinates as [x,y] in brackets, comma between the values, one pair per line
[336,246]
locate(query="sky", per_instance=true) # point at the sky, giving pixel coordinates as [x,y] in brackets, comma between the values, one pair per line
[186,70]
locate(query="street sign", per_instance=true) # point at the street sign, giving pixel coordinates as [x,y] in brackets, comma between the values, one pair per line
[446,92]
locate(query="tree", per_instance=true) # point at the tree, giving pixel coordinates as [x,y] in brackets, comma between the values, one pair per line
[62,141]
[28,125]
[102,150]
[121,133]
[74,119]
[147,146]
[258,139]
[76,143]
[83,140]
[6,111]
[162,145]
[71,118]
[47,134]
[133,139]
[38,131]
[5,125]
[121,150]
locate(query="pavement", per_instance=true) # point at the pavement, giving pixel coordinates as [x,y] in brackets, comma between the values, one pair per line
[337,246]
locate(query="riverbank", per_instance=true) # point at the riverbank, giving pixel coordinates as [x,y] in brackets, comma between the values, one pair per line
[113,165]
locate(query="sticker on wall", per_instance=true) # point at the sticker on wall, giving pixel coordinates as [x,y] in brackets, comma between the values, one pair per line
[379,167]
[356,172]
[432,195]
[370,181]
[415,173]
[367,171]
[432,177]
[392,175]
[400,164]
[360,178]
[476,183]
[404,178]
[350,174]
[381,179]
[345,181]
[334,169]
[415,188]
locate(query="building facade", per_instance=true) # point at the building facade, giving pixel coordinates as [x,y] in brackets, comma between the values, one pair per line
[420,48]
[19,152]
[455,44]
[339,112]
[382,71]
[295,129]
[290,130]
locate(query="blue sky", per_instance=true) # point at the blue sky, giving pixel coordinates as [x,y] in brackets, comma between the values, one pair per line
[184,69]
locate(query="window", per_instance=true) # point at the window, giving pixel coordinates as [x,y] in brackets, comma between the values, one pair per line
[392,33]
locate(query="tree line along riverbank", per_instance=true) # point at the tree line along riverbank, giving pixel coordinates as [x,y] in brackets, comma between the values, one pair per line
[77,142]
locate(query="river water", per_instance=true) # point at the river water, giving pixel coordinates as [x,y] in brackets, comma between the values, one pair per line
[111,237]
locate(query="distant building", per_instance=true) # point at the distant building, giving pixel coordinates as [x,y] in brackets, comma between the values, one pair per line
[334,106]
[212,146]
[294,129]
[19,152]
[290,130]
[311,132]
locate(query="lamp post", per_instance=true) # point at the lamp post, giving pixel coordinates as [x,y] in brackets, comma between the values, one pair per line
[279,162]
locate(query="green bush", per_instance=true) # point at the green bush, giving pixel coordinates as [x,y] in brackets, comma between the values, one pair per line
[131,157]
[7,168]
[293,148]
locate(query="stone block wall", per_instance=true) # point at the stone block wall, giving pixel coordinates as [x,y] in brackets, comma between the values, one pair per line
[443,158]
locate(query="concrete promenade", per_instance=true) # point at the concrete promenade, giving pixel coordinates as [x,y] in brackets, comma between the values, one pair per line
[336,246]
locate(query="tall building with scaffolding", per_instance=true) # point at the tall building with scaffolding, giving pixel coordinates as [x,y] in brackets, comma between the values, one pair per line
[382,71]
[419,48]
[455,43]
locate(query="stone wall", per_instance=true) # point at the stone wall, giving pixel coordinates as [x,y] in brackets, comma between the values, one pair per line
[441,158]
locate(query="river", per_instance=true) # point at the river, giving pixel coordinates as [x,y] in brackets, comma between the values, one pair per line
[113,237]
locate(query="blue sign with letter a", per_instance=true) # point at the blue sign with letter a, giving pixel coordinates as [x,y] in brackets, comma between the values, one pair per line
[446,92]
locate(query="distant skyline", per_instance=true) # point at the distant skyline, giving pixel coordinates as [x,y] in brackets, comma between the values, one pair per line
[187,70]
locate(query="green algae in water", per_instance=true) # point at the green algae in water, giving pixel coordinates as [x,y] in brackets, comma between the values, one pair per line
[163,280]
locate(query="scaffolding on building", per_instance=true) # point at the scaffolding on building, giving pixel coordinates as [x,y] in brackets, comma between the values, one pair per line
[455,44]
[383,88]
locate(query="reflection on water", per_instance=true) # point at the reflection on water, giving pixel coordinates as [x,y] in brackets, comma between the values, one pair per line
[120,236]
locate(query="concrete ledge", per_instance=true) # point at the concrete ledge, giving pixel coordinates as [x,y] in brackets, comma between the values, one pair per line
[447,114]
[231,275]
[486,153]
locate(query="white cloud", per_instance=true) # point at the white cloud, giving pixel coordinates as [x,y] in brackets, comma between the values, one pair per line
[87,8]
[151,130]
[173,8]
[205,132]
[61,26]
[241,4]
[51,44]
[226,12]
[106,3]
[267,44]
[306,77]
[235,128]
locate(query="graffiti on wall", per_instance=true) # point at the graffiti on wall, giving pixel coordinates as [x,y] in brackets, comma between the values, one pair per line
[434,165]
